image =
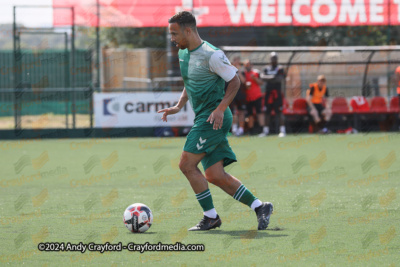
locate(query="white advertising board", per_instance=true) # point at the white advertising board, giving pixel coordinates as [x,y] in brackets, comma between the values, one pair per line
[119,110]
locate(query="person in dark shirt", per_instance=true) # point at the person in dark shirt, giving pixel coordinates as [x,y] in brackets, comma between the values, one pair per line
[318,103]
[274,76]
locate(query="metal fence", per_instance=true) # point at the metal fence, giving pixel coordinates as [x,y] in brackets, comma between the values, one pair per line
[44,96]
[350,71]
[43,101]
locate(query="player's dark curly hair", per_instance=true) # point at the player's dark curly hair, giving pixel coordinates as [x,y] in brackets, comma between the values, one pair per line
[184,19]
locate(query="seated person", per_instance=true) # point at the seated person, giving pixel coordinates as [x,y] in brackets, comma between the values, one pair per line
[317,94]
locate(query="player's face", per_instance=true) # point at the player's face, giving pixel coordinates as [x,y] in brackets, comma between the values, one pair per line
[274,61]
[247,65]
[178,36]
[321,83]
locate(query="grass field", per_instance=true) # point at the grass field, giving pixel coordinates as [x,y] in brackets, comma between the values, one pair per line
[335,199]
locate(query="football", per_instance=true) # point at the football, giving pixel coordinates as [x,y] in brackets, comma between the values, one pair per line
[138,218]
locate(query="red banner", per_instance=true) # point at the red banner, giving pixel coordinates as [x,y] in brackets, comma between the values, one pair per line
[155,13]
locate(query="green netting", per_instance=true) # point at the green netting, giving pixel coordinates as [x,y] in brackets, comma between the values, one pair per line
[46,68]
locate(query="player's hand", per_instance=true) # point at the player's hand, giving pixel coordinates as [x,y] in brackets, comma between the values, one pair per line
[216,117]
[168,111]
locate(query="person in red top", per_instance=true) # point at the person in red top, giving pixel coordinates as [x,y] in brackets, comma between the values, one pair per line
[359,103]
[316,96]
[253,95]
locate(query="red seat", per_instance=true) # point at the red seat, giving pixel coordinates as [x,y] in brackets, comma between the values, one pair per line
[339,106]
[394,104]
[359,104]
[300,106]
[286,106]
[378,105]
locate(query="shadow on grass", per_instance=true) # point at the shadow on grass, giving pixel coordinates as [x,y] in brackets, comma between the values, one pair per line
[145,233]
[244,234]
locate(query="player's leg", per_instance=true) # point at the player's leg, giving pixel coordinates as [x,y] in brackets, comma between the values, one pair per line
[260,114]
[268,108]
[188,164]
[250,116]
[216,175]
[241,108]
[189,167]
[234,108]
[279,114]
[267,120]
[314,114]
[326,114]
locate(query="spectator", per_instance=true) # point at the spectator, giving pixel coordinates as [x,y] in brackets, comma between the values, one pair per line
[319,111]
[253,95]
[238,106]
[274,75]
[359,103]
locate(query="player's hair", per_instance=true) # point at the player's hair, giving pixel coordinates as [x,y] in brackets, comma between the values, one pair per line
[321,78]
[184,19]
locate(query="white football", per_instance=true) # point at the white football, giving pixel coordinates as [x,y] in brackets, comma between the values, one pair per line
[138,218]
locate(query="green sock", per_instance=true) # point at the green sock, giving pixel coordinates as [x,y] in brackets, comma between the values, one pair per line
[244,195]
[205,200]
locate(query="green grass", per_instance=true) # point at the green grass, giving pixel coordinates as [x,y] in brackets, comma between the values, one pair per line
[335,199]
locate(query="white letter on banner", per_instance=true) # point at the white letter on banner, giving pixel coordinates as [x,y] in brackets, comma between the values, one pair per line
[375,11]
[236,12]
[282,17]
[268,11]
[296,11]
[352,11]
[324,18]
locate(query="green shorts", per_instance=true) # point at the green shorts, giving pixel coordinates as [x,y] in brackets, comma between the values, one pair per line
[202,138]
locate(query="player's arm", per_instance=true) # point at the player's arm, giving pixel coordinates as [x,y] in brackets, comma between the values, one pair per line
[308,98]
[280,76]
[264,76]
[241,77]
[183,99]
[327,100]
[220,65]
[257,79]
[231,91]
[175,109]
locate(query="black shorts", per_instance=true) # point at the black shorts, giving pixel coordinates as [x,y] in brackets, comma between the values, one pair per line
[239,102]
[318,107]
[273,101]
[251,105]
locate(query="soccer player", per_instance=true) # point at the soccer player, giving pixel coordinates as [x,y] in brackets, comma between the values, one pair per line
[274,75]
[316,107]
[205,69]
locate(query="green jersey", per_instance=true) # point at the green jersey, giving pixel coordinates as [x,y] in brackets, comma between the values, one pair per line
[204,71]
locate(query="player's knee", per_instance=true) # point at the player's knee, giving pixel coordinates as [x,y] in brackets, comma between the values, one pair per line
[215,177]
[211,176]
[184,165]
